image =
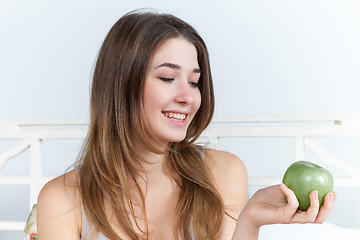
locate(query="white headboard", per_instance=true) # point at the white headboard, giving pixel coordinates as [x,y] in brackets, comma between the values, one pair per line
[31,134]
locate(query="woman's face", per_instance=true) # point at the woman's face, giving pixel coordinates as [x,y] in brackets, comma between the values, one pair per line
[171,93]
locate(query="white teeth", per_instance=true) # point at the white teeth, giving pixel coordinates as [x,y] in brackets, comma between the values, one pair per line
[176,116]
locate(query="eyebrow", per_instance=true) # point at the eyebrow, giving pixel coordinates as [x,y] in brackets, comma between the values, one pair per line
[176,66]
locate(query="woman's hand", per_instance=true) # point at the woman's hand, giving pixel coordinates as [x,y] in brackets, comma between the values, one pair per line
[278,204]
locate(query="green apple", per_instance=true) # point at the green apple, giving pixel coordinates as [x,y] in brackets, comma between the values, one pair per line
[303,177]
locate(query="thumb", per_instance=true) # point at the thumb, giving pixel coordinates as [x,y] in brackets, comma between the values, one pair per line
[291,199]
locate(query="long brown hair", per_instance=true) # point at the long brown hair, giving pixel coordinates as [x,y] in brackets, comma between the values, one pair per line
[109,159]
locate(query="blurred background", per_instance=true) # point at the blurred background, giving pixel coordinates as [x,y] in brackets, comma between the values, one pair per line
[272,58]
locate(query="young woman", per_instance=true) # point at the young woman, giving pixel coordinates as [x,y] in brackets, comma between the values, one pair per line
[140,175]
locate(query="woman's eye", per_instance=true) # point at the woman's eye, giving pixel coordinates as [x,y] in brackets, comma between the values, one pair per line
[166,79]
[194,84]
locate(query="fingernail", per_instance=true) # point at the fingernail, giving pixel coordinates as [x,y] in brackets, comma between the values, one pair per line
[332,196]
[316,194]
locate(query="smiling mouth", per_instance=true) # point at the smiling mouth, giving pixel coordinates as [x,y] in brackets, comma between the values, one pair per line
[175,116]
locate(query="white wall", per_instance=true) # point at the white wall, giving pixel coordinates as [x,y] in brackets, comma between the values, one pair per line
[273,57]
[268,57]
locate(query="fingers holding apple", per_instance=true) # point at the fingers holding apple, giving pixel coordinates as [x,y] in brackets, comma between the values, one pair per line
[296,200]
[312,212]
[303,178]
[326,208]
[292,202]
[315,213]
[292,211]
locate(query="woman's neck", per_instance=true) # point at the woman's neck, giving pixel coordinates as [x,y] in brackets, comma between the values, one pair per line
[154,166]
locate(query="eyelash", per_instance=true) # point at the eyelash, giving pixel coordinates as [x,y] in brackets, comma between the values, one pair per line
[193,84]
[166,79]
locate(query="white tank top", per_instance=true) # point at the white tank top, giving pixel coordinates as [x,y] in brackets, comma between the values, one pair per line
[88,230]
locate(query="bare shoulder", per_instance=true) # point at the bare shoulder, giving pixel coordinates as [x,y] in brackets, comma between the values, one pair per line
[224,161]
[231,178]
[59,208]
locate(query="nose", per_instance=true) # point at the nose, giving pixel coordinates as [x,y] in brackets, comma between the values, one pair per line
[184,93]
